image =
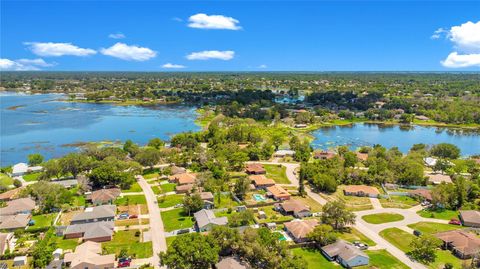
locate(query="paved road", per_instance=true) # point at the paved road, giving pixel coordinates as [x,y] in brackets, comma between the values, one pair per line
[156,225]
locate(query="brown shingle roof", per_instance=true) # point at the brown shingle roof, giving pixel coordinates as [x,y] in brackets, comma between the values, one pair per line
[261,180]
[343,250]
[104,195]
[255,168]
[17,206]
[15,221]
[361,189]
[362,156]
[300,229]
[184,178]
[466,243]
[426,194]
[88,253]
[470,216]
[9,195]
[439,178]
[278,192]
[294,206]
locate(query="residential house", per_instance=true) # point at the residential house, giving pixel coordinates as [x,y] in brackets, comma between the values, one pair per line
[429,161]
[103,196]
[18,206]
[438,178]
[187,188]
[206,220]
[255,169]
[423,194]
[208,200]
[293,207]
[182,179]
[470,218]
[463,244]
[7,242]
[278,193]
[345,254]
[13,222]
[175,170]
[10,195]
[88,255]
[67,183]
[362,156]
[261,181]
[93,231]
[21,169]
[299,229]
[283,153]
[20,261]
[232,263]
[95,214]
[361,190]
[323,155]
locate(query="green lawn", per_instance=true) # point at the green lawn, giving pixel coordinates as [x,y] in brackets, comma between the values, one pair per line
[44,220]
[315,259]
[381,259]
[353,203]
[402,239]
[150,175]
[127,240]
[66,243]
[224,201]
[78,200]
[307,200]
[5,180]
[382,218]
[398,202]
[432,227]
[135,187]
[31,176]
[170,200]
[176,219]
[443,214]
[355,235]
[131,200]
[272,215]
[277,173]
[169,187]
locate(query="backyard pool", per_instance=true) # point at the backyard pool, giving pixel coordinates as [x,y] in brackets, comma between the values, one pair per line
[259,197]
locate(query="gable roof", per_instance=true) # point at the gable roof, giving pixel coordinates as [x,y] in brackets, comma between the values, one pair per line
[261,180]
[206,195]
[15,221]
[343,250]
[103,211]
[89,252]
[464,242]
[470,216]
[104,195]
[278,191]
[184,178]
[17,206]
[301,228]
[20,168]
[9,195]
[205,217]
[177,170]
[92,230]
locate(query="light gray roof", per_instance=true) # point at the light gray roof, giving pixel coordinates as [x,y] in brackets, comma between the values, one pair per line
[103,211]
[231,263]
[92,230]
[344,250]
[205,217]
[17,206]
[14,221]
[66,183]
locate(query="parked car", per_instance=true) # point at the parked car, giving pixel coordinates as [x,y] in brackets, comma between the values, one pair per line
[124,262]
[455,222]
[360,245]
[417,233]
[133,217]
[183,231]
[123,216]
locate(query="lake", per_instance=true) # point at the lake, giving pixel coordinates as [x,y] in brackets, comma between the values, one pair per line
[41,123]
[403,137]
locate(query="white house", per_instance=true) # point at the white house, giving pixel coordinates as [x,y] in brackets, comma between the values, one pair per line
[283,153]
[19,169]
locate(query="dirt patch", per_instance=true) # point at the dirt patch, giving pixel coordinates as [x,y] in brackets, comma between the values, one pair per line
[66,217]
[133,209]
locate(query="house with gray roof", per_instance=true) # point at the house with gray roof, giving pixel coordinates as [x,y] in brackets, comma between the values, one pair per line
[13,222]
[206,220]
[345,254]
[94,231]
[18,206]
[95,214]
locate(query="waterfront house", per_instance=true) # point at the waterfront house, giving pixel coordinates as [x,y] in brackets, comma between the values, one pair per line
[345,254]
[323,155]
[283,153]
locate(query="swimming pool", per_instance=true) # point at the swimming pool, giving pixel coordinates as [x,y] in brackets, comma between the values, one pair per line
[259,197]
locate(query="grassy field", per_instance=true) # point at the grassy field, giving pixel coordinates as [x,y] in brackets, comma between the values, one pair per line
[272,215]
[381,259]
[10,264]
[134,188]
[402,239]
[151,175]
[66,243]
[176,219]
[355,235]
[443,214]
[169,187]
[277,173]
[44,220]
[31,176]
[130,222]
[398,202]
[315,259]
[131,200]
[224,201]
[314,206]
[170,200]
[127,240]
[382,218]
[5,180]
[432,227]
[353,203]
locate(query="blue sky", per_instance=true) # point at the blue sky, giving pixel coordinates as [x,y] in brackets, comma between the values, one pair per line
[245,36]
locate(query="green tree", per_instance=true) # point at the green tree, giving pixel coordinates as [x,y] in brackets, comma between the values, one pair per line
[51,169]
[156,143]
[323,235]
[192,250]
[241,187]
[192,203]
[148,157]
[336,214]
[131,148]
[35,159]
[228,239]
[424,248]
[445,150]
[74,163]
[350,159]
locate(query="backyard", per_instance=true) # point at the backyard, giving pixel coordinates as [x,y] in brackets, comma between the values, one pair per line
[277,173]
[135,187]
[353,203]
[176,219]
[272,215]
[131,200]
[128,241]
[165,201]
[41,221]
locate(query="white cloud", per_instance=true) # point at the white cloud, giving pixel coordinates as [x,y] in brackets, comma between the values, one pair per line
[455,60]
[173,66]
[466,37]
[129,53]
[116,36]
[204,21]
[262,66]
[23,64]
[177,19]
[58,49]
[438,33]
[212,54]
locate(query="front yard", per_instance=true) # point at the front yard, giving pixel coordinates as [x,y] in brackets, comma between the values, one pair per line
[355,235]
[31,177]
[432,227]
[398,202]
[277,173]
[128,241]
[439,214]
[131,200]
[176,219]
[353,203]
[380,218]
[165,201]
[135,187]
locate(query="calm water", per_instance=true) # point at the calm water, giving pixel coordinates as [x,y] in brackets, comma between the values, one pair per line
[39,123]
[358,135]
